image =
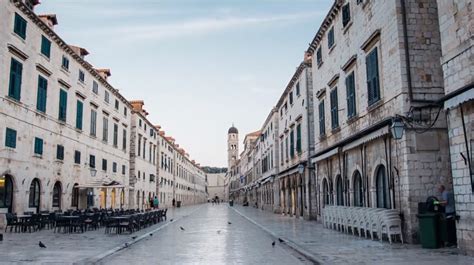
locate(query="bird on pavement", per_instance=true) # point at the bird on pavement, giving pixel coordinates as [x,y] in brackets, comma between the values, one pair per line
[273,243]
[171,220]
[126,245]
[281,240]
[133,237]
[229,223]
[151,234]
[181,228]
[41,245]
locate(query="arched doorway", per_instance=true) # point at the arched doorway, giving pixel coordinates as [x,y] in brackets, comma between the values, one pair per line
[6,192]
[326,192]
[34,198]
[358,192]
[57,192]
[113,198]
[383,198]
[122,198]
[75,196]
[339,191]
[103,198]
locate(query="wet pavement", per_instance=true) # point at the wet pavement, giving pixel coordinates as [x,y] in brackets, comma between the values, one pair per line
[209,239]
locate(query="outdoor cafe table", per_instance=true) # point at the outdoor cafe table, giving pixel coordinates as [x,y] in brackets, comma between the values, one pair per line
[70,218]
[24,218]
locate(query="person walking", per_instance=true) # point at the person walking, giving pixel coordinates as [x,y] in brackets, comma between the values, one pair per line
[156,202]
[447,200]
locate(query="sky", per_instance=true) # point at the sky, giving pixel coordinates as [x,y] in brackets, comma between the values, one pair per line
[199,65]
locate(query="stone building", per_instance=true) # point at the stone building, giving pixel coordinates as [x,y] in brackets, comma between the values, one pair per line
[456,22]
[64,129]
[376,62]
[216,185]
[144,154]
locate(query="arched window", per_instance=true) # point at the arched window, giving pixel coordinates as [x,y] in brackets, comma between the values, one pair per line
[358,193]
[57,190]
[326,192]
[339,191]
[34,199]
[383,199]
[331,192]
[75,196]
[6,192]
[122,198]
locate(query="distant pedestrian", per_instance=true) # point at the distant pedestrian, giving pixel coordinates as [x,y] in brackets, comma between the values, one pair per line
[173,202]
[156,202]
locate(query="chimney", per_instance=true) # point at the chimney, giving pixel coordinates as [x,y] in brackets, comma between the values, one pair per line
[104,73]
[79,51]
[49,19]
[307,57]
[31,3]
[137,105]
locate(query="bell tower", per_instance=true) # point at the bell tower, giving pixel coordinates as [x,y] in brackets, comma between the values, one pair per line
[232,146]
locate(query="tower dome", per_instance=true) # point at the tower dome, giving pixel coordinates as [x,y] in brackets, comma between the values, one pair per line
[233,130]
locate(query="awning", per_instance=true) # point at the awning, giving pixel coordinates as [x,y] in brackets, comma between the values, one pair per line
[289,172]
[103,183]
[459,99]
[367,138]
[325,155]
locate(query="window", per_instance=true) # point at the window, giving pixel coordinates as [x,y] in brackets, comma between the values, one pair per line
[65,63]
[139,144]
[124,140]
[95,87]
[116,104]
[331,38]
[10,138]
[106,96]
[62,105]
[34,196]
[75,196]
[6,192]
[38,146]
[60,152]
[93,129]
[125,111]
[286,148]
[373,86]
[322,125]
[297,88]
[82,76]
[105,129]
[79,110]
[19,26]
[42,93]
[298,138]
[383,199]
[45,46]
[334,109]
[14,89]
[104,164]
[77,157]
[350,92]
[92,161]
[123,169]
[291,97]
[358,192]
[114,167]
[292,143]
[319,56]
[57,190]
[346,15]
[115,140]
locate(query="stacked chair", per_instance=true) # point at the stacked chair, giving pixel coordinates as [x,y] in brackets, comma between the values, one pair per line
[370,221]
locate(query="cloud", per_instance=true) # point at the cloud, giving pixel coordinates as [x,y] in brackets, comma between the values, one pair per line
[197,26]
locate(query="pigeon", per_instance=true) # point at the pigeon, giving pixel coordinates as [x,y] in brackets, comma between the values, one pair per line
[41,245]
[281,240]
[273,243]
[133,237]
[181,228]
[171,220]
[229,223]
[126,245]
[151,234]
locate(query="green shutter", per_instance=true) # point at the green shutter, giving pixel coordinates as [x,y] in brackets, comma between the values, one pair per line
[373,76]
[10,138]
[322,126]
[45,46]
[334,109]
[292,144]
[62,105]
[16,69]
[79,111]
[350,91]
[19,26]
[38,146]
[298,138]
[42,93]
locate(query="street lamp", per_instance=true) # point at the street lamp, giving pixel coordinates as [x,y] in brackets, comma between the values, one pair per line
[301,169]
[93,172]
[397,128]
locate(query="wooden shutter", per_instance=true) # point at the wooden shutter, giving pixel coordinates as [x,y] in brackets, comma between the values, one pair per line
[62,105]
[16,69]
[79,111]
[42,94]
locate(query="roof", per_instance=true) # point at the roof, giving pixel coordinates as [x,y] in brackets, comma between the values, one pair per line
[233,130]
[324,25]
